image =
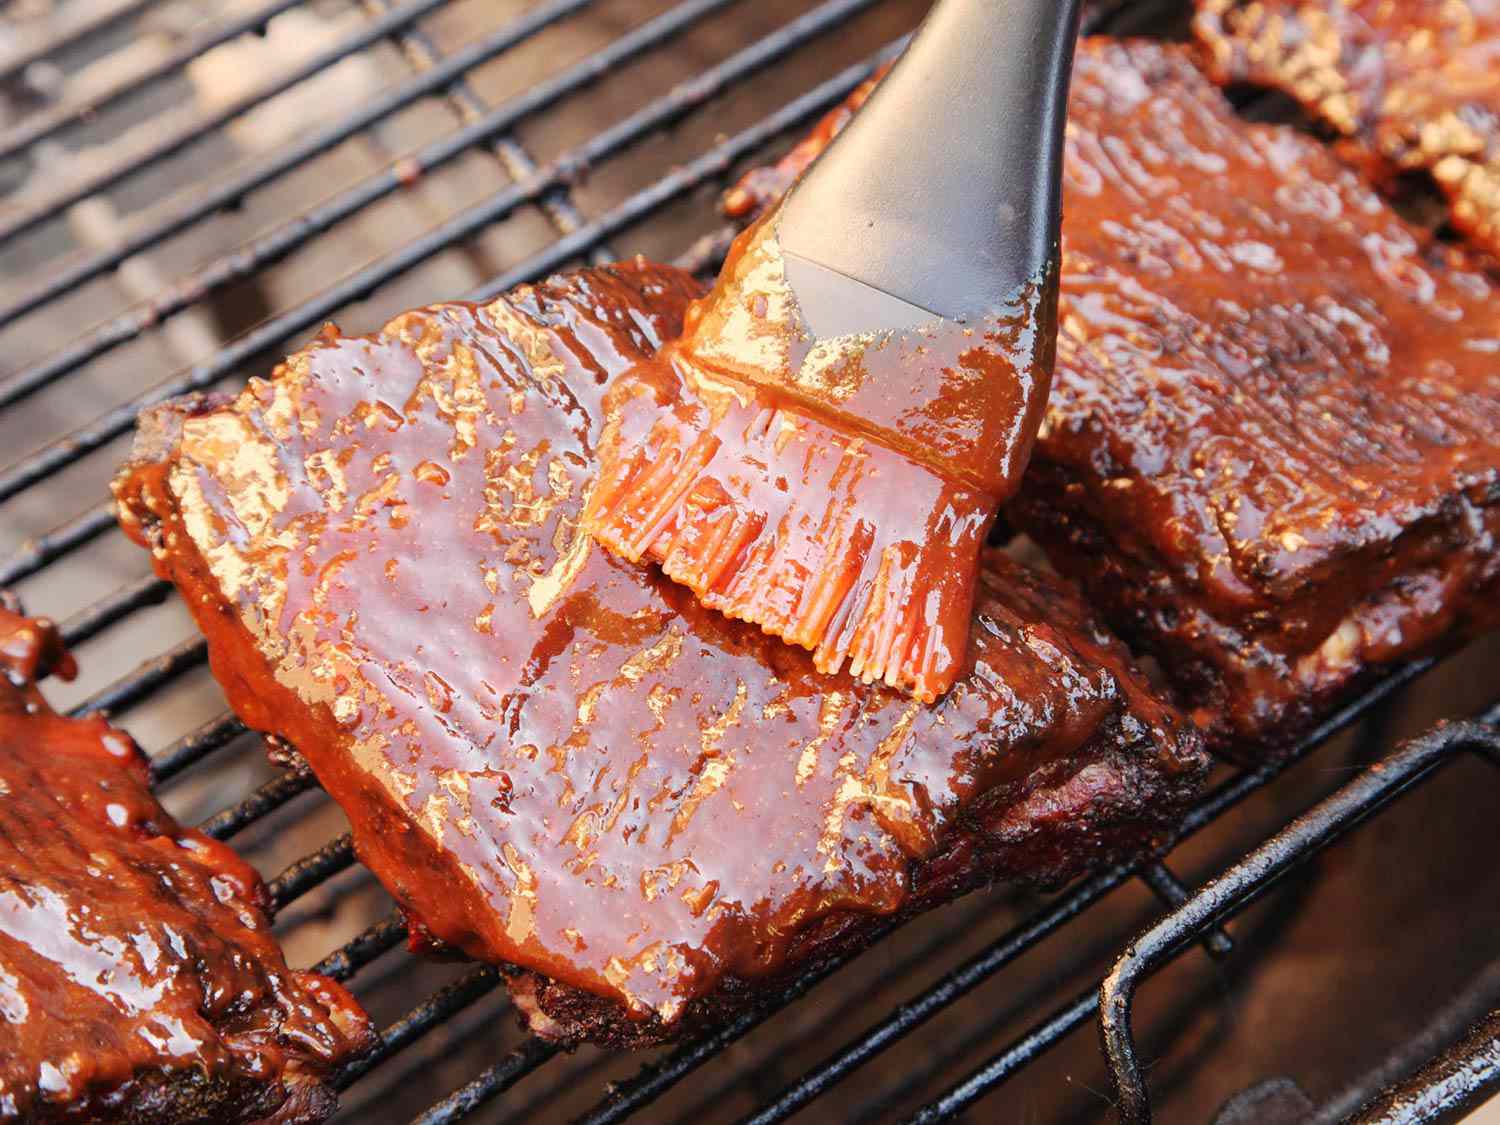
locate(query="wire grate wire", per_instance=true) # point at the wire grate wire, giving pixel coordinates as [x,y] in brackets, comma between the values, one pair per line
[40,127]
[203,205]
[76,30]
[1189,916]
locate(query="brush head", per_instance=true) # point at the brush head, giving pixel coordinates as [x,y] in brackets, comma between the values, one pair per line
[823,451]
[835,492]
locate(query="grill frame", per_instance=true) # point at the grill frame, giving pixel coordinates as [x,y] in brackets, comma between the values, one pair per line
[1455,1079]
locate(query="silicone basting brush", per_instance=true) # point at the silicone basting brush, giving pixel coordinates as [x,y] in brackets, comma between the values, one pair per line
[823,451]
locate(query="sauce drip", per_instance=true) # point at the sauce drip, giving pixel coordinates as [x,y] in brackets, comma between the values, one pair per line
[138,974]
[835,492]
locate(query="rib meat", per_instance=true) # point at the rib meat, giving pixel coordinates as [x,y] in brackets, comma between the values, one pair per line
[561,762]
[139,980]
[1271,448]
[1414,86]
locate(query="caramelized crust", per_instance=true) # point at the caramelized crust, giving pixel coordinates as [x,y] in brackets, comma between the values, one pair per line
[1271,448]
[138,977]
[1414,85]
[560,761]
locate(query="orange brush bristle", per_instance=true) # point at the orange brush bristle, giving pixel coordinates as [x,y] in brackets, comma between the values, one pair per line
[833,543]
[836,497]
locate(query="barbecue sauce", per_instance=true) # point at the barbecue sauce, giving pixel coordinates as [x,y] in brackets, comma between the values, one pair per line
[835,492]
[138,975]
[558,760]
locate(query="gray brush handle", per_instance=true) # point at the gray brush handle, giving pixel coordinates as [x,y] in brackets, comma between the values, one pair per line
[944,191]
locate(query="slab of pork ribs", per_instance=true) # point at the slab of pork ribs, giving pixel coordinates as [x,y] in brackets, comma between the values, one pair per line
[1413,86]
[139,980]
[560,762]
[1272,452]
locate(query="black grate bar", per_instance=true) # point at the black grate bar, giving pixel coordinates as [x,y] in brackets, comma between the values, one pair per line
[146,677]
[271,248]
[29,218]
[64,451]
[194,747]
[101,18]
[1028,1048]
[1448,1087]
[442,1005]
[1062,1023]
[1171,891]
[712,164]
[655,1079]
[86,623]
[892,974]
[272,167]
[34,554]
[44,125]
[269,797]
[365,947]
[1232,891]
[491,1084]
[311,871]
[511,154]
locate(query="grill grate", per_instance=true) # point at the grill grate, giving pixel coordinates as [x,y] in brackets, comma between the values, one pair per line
[549,187]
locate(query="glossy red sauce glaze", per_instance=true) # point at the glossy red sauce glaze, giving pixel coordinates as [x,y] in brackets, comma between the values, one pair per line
[562,761]
[834,492]
[138,976]
[1272,450]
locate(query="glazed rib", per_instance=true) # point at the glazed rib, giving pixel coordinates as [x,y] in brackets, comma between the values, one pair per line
[1414,86]
[1271,449]
[561,762]
[138,977]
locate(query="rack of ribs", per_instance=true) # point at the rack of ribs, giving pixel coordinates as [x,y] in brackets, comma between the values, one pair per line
[1412,86]
[139,980]
[558,761]
[1272,450]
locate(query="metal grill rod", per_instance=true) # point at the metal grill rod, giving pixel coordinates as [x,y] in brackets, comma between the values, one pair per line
[1455,1082]
[64,451]
[34,554]
[419,1021]
[113,607]
[711,165]
[42,126]
[101,18]
[511,154]
[194,747]
[272,795]
[1042,1036]
[144,679]
[271,248]
[525,1059]
[654,1080]
[365,947]
[203,205]
[169,143]
[311,871]
[1232,891]
[968,916]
